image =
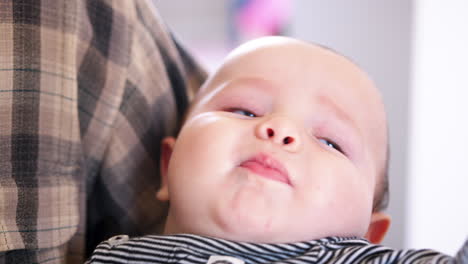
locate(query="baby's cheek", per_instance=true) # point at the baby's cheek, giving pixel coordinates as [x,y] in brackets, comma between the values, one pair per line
[339,195]
[205,144]
[357,202]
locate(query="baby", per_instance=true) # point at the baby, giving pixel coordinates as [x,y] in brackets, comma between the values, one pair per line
[282,157]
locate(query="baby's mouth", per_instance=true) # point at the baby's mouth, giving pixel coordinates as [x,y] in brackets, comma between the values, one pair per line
[266,166]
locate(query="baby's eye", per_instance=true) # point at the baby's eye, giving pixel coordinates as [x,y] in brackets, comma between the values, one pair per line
[242,112]
[331,144]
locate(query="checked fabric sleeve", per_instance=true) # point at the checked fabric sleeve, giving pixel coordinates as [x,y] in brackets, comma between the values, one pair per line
[87,90]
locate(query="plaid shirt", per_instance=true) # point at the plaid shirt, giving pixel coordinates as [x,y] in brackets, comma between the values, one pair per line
[87,90]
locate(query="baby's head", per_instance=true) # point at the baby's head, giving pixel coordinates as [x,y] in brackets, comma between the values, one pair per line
[286,142]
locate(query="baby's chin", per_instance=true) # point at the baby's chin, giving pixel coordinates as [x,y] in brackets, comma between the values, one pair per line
[246,226]
[258,215]
[258,228]
[265,236]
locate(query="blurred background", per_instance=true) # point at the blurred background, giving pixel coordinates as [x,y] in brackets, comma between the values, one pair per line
[416,52]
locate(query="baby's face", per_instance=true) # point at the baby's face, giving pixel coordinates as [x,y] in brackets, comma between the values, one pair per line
[283,144]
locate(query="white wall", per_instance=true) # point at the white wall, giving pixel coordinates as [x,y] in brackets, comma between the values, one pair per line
[202,25]
[437,215]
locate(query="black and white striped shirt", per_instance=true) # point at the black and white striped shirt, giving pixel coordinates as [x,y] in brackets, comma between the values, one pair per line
[186,248]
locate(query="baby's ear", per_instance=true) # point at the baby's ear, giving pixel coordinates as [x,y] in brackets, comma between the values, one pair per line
[380,222]
[167,145]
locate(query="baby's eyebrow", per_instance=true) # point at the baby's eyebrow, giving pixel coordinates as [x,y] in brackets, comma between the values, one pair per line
[338,112]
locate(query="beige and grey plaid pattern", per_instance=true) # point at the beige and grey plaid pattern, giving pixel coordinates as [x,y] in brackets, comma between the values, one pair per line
[87,90]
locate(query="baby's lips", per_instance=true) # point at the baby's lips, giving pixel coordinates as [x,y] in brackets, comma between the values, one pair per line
[266,166]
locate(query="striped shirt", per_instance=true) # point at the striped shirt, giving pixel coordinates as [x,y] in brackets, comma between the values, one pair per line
[189,249]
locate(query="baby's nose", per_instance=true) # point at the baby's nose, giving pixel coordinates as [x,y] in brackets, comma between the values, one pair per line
[281,131]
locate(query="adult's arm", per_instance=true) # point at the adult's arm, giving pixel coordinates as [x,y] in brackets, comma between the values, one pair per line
[87,89]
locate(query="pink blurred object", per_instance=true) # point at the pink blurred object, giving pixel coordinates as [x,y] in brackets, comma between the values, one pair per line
[256,18]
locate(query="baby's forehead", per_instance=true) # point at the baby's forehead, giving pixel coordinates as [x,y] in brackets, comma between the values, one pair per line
[279,55]
[283,45]
[288,62]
